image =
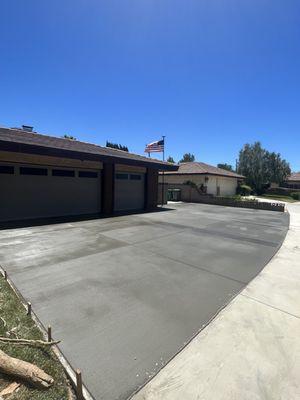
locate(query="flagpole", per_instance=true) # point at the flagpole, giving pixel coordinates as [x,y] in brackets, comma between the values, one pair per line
[163,175]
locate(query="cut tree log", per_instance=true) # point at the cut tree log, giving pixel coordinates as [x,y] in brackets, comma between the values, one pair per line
[24,370]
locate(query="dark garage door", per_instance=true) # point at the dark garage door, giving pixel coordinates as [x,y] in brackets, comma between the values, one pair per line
[129,191]
[29,191]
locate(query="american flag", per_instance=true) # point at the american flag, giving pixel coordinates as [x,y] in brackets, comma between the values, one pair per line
[155,147]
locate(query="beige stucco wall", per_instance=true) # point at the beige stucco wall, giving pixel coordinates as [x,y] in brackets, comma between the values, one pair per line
[198,179]
[227,185]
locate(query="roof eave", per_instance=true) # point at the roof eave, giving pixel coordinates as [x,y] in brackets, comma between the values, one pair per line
[208,173]
[56,152]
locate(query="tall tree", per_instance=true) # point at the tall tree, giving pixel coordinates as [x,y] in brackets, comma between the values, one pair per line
[261,167]
[116,146]
[187,157]
[277,169]
[228,167]
[171,160]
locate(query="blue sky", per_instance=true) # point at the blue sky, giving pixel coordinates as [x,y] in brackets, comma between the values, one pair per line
[211,75]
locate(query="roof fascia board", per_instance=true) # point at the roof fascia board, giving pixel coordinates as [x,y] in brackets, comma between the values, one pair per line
[50,151]
[204,173]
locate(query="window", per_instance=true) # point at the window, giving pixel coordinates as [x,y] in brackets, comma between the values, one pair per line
[63,172]
[135,177]
[6,169]
[121,176]
[33,171]
[87,174]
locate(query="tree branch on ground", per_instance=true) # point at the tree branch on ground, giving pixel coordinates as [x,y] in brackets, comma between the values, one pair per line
[29,341]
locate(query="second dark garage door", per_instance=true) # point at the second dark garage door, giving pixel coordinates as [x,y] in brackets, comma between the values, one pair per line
[129,191]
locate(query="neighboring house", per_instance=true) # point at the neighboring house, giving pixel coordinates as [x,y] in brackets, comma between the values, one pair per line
[210,179]
[293,181]
[45,176]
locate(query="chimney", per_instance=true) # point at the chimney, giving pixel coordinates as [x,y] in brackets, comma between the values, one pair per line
[27,128]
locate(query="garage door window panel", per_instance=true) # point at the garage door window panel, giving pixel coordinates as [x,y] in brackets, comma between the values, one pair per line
[87,174]
[122,176]
[33,171]
[7,169]
[135,177]
[63,172]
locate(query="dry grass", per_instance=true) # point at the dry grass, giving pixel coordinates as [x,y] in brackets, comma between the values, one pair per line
[13,316]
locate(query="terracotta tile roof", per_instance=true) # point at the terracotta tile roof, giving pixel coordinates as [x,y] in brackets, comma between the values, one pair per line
[190,168]
[20,136]
[295,176]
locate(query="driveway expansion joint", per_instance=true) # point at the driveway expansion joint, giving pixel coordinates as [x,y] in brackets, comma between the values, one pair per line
[269,305]
[193,266]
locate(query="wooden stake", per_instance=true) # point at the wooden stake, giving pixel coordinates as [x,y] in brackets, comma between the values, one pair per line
[29,309]
[49,333]
[79,392]
[5,275]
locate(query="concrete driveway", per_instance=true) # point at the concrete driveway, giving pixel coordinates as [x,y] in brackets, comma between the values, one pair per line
[126,294]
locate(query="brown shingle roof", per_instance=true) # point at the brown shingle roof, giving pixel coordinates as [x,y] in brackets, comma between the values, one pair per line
[295,176]
[190,168]
[21,137]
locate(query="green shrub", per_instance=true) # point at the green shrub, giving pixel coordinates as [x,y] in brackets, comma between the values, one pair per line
[295,195]
[244,190]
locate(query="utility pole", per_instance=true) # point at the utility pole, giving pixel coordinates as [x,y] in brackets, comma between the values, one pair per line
[163,176]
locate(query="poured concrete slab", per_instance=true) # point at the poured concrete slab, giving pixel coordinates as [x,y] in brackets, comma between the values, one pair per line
[251,350]
[126,294]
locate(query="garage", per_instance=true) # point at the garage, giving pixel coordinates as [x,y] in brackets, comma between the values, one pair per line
[35,191]
[43,176]
[129,191]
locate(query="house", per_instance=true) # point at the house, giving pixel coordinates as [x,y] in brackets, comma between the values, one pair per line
[45,176]
[293,181]
[209,179]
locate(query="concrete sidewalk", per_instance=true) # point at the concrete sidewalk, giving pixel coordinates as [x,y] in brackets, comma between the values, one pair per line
[251,350]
